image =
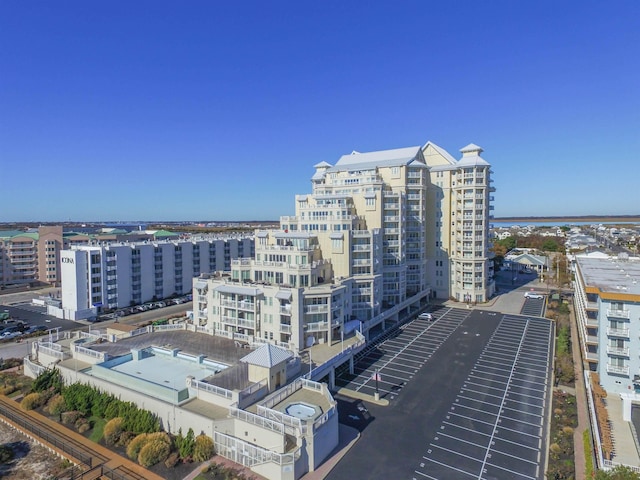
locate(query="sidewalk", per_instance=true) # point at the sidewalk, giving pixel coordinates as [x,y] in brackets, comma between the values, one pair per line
[581,401]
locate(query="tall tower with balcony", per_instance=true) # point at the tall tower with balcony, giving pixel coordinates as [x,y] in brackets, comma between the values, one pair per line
[461,264]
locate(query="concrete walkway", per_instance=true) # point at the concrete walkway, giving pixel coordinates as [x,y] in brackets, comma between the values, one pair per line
[581,400]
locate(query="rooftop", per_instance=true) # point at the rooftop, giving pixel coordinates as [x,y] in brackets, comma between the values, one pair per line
[611,275]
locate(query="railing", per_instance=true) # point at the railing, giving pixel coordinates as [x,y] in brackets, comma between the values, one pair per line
[316,326]
[248,454]
[34,367]
[254,419]
[54,353]
[139,331]
[621,351]
[207,387]
[616,313]
[90,353]
[175,326]
[618,369]
[316,308]
[284,328]
[291,424]
[618,332]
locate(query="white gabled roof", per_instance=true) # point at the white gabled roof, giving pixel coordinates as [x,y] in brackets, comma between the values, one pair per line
[322,164]
[267,356]
[471,156]
[472,147]
[382,158]
[446,155]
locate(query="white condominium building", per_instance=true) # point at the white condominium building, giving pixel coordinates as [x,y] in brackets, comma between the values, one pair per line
[458,216]
[607,305]
[365,248]
[104,277]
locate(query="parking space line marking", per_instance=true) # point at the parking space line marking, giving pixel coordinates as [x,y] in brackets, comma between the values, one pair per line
[450,467]
[519,432]
[495,426]
[512,471]
[473,459]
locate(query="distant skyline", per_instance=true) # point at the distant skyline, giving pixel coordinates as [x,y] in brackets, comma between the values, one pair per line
[219,110]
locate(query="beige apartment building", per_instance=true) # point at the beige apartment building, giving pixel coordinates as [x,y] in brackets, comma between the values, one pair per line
[380,235]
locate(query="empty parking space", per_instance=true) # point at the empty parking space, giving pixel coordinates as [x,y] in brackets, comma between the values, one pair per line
[399,358]
[533,307]
[495,426]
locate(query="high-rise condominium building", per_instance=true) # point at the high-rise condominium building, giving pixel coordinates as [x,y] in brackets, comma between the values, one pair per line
[378,236]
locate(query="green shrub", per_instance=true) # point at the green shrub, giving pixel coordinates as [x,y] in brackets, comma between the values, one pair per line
[112,430]
[31,401]
[185,444]
[154,451]
[588,456]
[203,449]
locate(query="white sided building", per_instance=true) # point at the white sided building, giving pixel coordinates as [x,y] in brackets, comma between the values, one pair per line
[109,276]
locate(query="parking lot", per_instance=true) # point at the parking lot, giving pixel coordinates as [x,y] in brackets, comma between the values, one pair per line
[495,425]
[469,395]
[398,359]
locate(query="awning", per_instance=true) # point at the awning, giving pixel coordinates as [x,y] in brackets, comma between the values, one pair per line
[283,295]
[370,195]
[238,290]
[336,236]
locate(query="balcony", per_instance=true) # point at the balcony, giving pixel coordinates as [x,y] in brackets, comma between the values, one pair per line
[285,310]
[618,332]
[618,370]
[320,326]
[619,351]
[284,328]
[316,308]
[618,313]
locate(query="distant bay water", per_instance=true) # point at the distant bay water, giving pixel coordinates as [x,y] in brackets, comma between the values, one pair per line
[547,223]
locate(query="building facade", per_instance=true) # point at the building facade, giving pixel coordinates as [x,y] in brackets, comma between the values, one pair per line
[458,219]
[105,277]
[379,235]
[607,305]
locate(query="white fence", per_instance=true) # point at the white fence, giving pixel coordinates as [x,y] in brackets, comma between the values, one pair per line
[90,353]
[254,419]
[175,326]
[247,454]
[207,387]
[34,368]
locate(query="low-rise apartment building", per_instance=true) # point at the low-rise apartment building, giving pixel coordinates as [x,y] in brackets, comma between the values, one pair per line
[107,275]
[607,304]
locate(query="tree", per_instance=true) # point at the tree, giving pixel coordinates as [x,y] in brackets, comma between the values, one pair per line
[550,245]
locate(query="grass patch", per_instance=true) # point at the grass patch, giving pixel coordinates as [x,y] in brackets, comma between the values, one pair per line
[98,428]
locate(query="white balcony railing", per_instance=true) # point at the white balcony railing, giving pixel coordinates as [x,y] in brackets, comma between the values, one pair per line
[618,369]
[618,332]
[620,351]
[618,313]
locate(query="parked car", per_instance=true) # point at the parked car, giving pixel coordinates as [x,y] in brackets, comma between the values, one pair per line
[425,316]
[533,295]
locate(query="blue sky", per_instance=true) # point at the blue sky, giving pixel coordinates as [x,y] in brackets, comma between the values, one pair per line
[119,110]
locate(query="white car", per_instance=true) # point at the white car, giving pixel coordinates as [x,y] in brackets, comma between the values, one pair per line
[533,295]
[425,316]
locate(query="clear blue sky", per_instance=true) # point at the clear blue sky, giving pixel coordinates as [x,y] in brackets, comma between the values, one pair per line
[126,110]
